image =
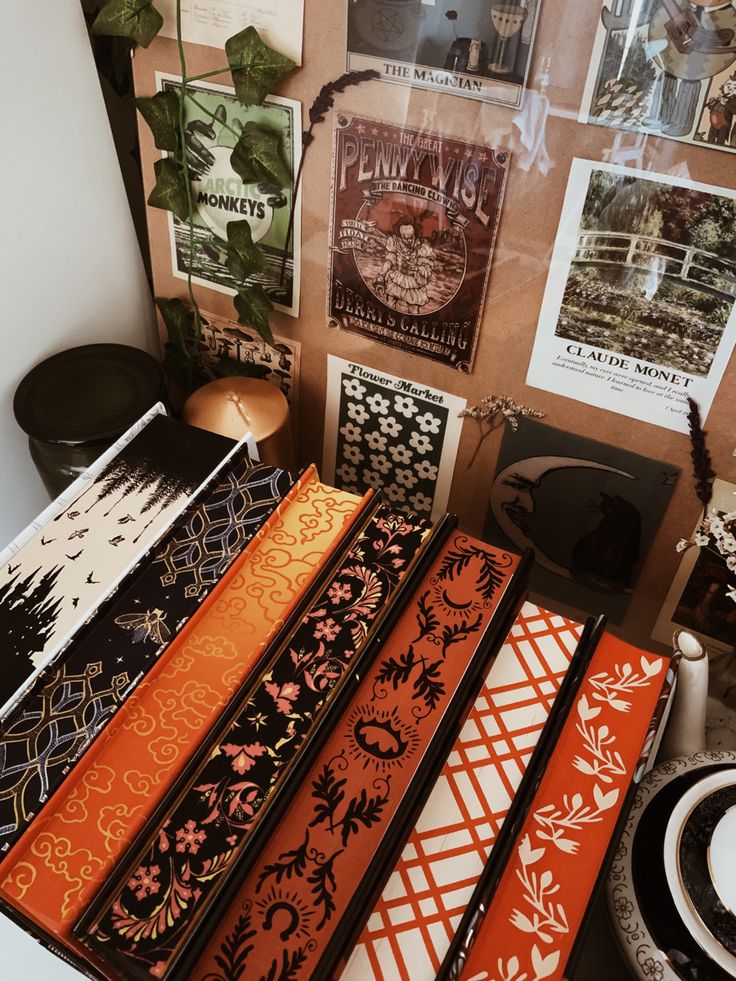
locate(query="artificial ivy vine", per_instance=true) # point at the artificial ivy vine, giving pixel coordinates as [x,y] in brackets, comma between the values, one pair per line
[256,158]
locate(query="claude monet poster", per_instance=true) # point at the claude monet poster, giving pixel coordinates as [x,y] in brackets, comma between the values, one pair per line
[638,312]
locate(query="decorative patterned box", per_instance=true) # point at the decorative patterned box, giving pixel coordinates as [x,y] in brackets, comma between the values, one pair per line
[143,924]
[305,899]
[56,869]
[529,925]
[62,574]
[409,931]
[64,711]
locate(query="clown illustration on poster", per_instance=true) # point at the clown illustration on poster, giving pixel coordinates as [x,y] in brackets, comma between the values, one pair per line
[414,219]
[667,68]
[479,50]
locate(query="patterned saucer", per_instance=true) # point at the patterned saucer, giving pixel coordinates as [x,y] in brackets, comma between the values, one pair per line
[700,864]
[653,906]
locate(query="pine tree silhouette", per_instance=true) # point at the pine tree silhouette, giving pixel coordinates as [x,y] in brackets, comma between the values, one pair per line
[28,615]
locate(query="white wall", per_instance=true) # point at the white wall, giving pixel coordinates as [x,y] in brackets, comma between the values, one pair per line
[70,268]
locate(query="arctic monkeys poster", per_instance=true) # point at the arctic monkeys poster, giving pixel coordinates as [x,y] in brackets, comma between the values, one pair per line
[414,219]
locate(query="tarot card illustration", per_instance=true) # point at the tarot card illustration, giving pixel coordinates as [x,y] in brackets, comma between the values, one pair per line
[280,362]
[384,431]
[589,510]
[478,50]
[665,67]
[414,220]
[639,308]
[214,122]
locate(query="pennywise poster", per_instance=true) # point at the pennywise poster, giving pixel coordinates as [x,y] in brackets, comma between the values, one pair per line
[414,220]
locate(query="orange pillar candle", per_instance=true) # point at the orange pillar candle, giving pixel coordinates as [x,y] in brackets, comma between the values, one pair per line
[235,406]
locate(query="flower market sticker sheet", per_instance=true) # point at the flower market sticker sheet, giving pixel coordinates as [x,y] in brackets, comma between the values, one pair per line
[590,512]
[413,225]
[384,431]
[638,312]
[702,597]
[280,23]
[665,68]
[478,50]
[214,122]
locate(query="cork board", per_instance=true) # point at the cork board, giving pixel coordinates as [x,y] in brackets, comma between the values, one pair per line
[528,226]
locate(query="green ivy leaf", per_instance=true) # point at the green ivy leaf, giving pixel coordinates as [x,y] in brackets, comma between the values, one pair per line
[256,157]
[137,20]
[255,67]
[243,255]
[230,368]
[161,112]
[113,60]
[254,307]
[178,319]
[170,192]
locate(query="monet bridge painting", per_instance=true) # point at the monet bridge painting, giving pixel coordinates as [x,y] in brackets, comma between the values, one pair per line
[653,275]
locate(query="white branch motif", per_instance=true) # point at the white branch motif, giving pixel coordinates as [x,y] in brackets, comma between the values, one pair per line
[574,815]
[546,917]
[609,687]
[603,764]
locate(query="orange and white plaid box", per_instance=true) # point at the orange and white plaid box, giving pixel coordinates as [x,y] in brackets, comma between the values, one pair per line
[413,922]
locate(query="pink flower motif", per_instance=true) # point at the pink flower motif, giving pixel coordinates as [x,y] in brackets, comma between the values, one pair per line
[283,695]
[158,969]
[144,881]
[327,630]
[243,757]
[189,838]
[338,592]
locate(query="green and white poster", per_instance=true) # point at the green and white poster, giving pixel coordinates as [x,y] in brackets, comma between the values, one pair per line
[215,120]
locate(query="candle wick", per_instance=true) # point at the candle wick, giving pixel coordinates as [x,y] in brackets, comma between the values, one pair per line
[237,402]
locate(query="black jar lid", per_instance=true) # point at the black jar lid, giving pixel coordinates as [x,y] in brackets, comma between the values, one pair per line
[88,394]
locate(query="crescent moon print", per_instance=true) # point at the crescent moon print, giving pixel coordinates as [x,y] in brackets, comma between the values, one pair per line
[589,510]
[512,499]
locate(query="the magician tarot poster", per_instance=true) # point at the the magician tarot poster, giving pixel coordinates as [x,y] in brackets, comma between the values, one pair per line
[215,119]
[474,48]
[414,220]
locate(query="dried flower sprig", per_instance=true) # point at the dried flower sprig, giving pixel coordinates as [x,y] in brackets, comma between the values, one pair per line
[317,114]
[716,532]
[491,414]
[702,466]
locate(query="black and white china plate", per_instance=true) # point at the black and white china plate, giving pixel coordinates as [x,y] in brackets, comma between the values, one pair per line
[672,886]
